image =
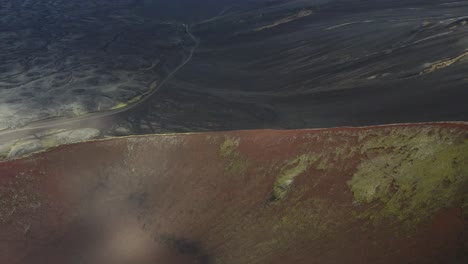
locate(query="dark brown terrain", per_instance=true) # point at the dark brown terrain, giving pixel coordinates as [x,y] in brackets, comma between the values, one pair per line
[388,194]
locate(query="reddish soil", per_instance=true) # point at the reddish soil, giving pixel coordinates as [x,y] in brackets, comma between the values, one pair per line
[211,198]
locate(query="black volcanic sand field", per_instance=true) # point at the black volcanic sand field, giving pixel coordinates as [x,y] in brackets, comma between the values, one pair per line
[68,58]
[258,64]
[348,63]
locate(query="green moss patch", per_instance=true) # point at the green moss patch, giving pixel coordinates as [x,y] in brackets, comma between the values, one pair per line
[290,170]
[412,174]
[228,150]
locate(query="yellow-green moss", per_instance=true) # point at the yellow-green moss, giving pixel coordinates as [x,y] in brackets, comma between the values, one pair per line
[334,156]
[228,150]
[343,151]
[290,170]
[412,173]
[135,99]
[131,101]
[49,143]
[119,105]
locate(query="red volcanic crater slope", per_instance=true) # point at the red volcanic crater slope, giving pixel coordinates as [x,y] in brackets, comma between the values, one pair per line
[386,194]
